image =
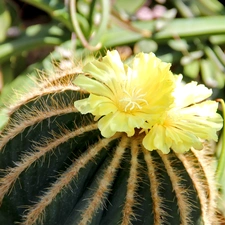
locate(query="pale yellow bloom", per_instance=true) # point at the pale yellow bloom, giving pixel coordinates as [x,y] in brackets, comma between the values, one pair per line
[190,121]
[124,97]
[145,95]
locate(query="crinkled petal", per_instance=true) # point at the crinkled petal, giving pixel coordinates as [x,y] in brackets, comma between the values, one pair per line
[183,140]
[201,127]
[204,109]
[93,86]
[83,106]
[156,140]
[104,125]
[186,147]
[126,123]
[183,131]
[93,105]
[147,67]
[137,120]
[187,94]
[119,122]
[101,105]
[109,71]
[164,139]
[201,120]
[114,122]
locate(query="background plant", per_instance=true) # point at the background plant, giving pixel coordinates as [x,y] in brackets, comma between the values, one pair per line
[189,34]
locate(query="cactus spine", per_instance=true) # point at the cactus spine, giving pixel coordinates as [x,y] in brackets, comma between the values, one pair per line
[56,168]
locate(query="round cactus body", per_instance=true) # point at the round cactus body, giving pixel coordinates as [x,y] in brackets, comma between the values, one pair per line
[57,169]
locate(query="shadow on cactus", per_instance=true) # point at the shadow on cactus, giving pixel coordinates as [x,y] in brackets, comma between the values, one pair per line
[127,153]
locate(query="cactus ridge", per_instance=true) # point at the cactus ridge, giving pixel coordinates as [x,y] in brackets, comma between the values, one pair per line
[156,185]
[43,85]
[31,116]
[132,184]
[38,151]
[100,195]
[181,192]
[206,160]
[203,178]
[56,168]
[36,211]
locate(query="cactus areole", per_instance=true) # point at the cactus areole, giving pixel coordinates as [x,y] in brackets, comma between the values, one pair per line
[110,143]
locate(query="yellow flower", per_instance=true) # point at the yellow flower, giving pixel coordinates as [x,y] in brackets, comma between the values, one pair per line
[187,123]
[124,97]
[145,95]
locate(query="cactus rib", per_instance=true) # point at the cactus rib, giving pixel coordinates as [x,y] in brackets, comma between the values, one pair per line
[99,196]
[200,184]
[132,184]
[35,212]
[206,161]
[158,201]
[39,151]
[43,86]
[29,118]
[181,193]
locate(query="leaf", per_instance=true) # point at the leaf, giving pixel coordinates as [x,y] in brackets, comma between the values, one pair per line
[207,72]
[192,69]
[145,46]
[181,27]
[57,9]
[186,27]
[34,37]
[126,6]
[178,45]
[190,57]
[5,20]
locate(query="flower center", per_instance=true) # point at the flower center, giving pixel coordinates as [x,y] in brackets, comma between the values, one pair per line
[132,101]
[169,120]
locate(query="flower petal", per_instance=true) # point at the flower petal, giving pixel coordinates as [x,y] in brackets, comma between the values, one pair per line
[104,125]
[109,71]
[93,86]
[156,140]
[190,93]
[83,106]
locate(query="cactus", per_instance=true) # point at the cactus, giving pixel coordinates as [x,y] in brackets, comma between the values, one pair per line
[57,168]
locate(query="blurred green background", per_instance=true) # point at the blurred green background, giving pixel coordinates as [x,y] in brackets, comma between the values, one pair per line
[47,34]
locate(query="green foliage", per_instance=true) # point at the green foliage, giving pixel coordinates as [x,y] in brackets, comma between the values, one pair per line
[5,20]
[180,22]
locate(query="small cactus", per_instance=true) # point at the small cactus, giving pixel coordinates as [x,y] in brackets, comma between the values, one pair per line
[57,169]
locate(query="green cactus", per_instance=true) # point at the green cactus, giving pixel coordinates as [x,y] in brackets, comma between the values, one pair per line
[56,169]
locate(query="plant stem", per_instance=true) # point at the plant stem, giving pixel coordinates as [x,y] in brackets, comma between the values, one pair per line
[221,162]
[77,28]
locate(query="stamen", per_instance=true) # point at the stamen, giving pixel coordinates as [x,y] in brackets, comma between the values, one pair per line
[133,100]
